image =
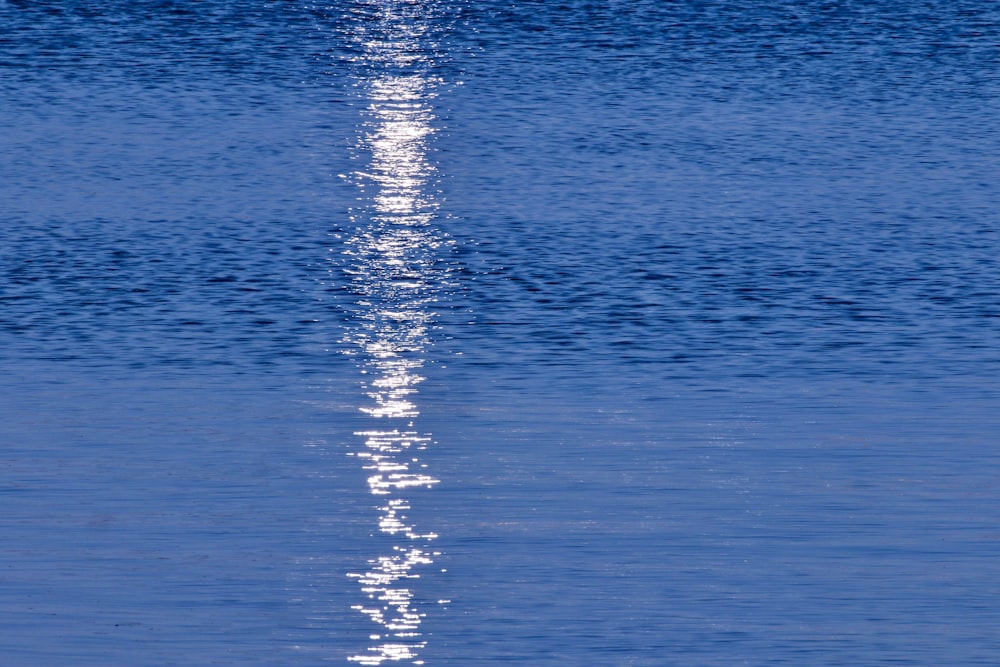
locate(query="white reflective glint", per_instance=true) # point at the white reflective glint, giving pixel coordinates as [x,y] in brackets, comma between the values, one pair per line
[393,255]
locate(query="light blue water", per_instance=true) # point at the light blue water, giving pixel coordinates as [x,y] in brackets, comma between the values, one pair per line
[441,333]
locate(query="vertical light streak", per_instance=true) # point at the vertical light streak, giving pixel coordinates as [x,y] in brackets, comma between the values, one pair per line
[393,255]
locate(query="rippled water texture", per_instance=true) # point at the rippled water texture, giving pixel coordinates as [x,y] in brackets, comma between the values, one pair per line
[450,333]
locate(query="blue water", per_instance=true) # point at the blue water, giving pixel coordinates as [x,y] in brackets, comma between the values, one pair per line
[450,333]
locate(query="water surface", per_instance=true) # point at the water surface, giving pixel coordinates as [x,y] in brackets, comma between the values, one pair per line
[446,333]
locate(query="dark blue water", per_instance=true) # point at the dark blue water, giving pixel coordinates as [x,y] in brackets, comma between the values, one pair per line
[645,333]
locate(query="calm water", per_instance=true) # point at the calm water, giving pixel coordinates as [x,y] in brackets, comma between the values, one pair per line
[450,333]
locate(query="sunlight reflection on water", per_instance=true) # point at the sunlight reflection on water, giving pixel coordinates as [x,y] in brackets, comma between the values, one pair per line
[393,255]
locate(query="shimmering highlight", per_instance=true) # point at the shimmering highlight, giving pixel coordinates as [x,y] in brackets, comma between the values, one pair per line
[393,256]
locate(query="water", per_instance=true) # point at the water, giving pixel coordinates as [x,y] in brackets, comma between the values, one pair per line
[446,333]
